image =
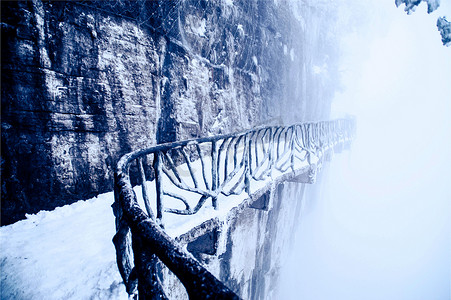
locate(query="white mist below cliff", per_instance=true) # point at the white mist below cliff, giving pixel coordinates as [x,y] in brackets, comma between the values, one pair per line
[380,228]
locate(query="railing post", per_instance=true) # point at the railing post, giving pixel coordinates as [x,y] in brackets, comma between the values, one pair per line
[214,173]
[292,148]
[146,264]
[145,191]
[158,160]
[270,151]
[122,241]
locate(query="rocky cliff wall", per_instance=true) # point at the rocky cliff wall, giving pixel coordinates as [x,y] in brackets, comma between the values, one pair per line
[247,250]
[84,82]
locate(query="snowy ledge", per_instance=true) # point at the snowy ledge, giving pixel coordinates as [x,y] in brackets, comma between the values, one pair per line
[67,253]
[226,169]
[185,230]
[189,231]
[180,227]
[232,171]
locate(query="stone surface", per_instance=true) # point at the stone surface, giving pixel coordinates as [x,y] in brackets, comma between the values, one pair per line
[86,82]
[248,246]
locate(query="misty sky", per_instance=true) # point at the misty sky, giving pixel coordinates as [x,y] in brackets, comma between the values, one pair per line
[380,226]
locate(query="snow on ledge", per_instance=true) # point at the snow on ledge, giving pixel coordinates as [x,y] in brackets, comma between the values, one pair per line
[68,253]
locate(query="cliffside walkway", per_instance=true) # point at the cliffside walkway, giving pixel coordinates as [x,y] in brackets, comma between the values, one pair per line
[206,177]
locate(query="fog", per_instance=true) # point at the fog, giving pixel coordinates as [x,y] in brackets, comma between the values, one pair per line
[377,225]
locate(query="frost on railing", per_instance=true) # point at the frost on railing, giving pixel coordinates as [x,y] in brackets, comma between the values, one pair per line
[188,174]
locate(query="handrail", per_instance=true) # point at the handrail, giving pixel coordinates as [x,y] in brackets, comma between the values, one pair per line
[233,161]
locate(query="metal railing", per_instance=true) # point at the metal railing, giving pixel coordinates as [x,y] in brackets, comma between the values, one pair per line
[184,176]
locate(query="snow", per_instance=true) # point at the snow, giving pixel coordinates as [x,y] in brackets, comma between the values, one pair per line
[228,2]
[317,70]
[255,60]
[66,253]
[176,225]
[240,29]
[199,28]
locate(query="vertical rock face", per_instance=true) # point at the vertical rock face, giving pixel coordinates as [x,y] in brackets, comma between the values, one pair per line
[247,249]
[85,82]
[78,90]
[256,241]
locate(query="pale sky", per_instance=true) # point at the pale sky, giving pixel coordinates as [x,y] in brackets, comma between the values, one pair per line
[381,226]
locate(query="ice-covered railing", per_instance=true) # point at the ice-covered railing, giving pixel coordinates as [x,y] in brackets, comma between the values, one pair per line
[188,174]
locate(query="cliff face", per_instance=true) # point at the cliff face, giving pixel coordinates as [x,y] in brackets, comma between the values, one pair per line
[257,240]
[85,82]
[247,249]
